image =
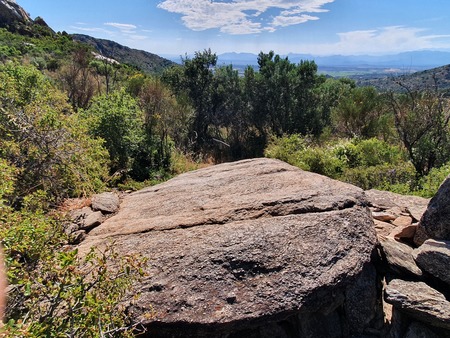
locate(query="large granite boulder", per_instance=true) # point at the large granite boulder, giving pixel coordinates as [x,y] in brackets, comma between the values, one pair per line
[435,222]
[253,248]
[11,12]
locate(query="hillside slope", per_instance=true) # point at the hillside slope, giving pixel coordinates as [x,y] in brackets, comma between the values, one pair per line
[426,79]
[145,61]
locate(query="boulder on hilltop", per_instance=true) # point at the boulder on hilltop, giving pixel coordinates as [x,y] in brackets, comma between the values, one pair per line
[254,248]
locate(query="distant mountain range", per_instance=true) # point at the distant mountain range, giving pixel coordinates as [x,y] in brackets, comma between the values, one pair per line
[417,60]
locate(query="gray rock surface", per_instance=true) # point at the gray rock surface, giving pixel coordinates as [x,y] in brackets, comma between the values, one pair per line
[419,301]
[107,202]
[417,330]
[413,205]
[400,257]
[247,247]
[11,12]
[434,257]
[435,222]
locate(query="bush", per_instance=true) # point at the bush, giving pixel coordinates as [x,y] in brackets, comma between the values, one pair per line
[390,177]
[286,148]
[44,139]
[429,184]
[56,293]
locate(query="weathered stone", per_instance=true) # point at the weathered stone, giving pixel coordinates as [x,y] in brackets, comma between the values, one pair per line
[399,257]
[434,257]
[92,220]
[383,216]
[361,300]
[404,233]
[383,228]
[77,237]
[417,330]
[435,222]
[402,221]
[244,248]
[11,12]
[389,200]
[71,228]
[107,202]
[419,301]
[79,215]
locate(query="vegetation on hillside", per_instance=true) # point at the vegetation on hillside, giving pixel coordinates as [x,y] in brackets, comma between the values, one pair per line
[72,124]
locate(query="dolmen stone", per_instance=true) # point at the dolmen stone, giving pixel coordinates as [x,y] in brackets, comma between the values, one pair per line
[254,248]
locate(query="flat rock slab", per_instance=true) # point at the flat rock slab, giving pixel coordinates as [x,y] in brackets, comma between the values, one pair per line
[413,205]
[419,301]
[242,244]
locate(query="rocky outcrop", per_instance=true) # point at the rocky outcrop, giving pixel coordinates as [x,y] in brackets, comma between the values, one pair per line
[416,278]
[420,301]
[83,220]
[435,222]
[254,248]
[14,18]
[11,13]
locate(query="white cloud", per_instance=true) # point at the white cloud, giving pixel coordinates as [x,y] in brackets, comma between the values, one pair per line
[243,16]
[122,26]
[391,39]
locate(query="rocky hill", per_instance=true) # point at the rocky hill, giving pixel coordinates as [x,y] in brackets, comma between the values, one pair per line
[145,61]
[427,79]
[14,18]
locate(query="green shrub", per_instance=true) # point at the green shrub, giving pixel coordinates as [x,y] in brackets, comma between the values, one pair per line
[383,177]
[44,139]
[321,161]
[286,148]
[429,184]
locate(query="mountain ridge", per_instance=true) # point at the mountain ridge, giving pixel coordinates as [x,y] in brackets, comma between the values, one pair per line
[145,61]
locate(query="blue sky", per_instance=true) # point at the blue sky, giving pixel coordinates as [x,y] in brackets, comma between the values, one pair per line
[318,27]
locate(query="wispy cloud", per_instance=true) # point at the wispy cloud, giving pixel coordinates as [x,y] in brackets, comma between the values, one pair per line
[122,26]
[244,16]
[392,39]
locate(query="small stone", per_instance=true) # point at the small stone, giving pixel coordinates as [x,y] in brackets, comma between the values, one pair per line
[77,237]
[402,221]
[404,233]
[93,220]
[383,216]
[231,298]
[383,228]
[106,202]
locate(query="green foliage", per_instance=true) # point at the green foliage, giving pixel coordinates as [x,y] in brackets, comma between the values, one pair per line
[368,163]
[78,297]
[429,184]
[422,122]
[358,113]
[118,120]
[398,178]
[44,139]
